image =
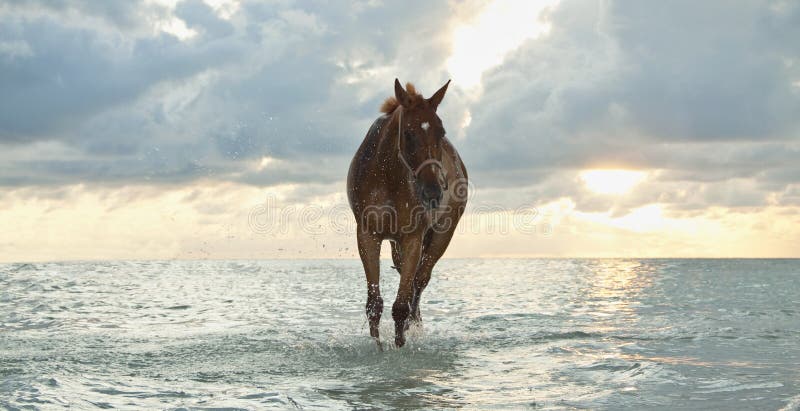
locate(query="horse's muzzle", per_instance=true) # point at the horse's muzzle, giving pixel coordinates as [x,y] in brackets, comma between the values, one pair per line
[431,196]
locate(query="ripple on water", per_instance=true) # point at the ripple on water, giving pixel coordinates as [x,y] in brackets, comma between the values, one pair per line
[553,334]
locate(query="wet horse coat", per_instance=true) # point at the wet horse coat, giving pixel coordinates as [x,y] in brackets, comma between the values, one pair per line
[406,184]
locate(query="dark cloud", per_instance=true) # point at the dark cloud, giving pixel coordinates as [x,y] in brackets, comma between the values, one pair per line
[125,15]
[72,75]
[152,107]
[706,70]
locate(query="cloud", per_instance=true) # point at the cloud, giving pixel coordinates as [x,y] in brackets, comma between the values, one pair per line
[704,93]
[200,16]
[704,96]
[285,80]
[72,75]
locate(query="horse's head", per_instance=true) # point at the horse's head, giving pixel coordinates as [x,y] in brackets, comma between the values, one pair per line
[420,141]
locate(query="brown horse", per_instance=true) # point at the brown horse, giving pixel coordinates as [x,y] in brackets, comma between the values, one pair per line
[406,184]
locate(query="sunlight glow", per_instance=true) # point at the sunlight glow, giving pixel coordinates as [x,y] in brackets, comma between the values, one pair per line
[224,8]
[612,181]
[169,23]
[265,162]
[649,218]
[501,27]
[176,27]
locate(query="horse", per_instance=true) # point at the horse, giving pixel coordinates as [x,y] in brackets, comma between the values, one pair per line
[406,184]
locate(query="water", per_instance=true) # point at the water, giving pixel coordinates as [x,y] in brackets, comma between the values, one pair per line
[549,334]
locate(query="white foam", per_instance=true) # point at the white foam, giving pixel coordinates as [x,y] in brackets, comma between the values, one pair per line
[792,405]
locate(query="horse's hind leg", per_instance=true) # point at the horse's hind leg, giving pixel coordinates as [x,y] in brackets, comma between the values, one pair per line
[434,247]
[369,248]
[397,255]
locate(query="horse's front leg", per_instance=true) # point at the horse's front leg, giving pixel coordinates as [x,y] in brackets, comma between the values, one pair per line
[412,250]
[369,248]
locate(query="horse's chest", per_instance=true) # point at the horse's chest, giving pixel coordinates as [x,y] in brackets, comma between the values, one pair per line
[379,196]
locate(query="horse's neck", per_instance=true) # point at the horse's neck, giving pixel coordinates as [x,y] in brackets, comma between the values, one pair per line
[387,156]
[390,143]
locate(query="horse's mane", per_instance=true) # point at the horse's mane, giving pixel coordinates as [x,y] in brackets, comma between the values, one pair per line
[391,103]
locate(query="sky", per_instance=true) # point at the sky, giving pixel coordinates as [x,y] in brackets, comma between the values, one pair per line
[161,129]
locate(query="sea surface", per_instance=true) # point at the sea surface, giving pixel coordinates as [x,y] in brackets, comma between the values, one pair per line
[515,334]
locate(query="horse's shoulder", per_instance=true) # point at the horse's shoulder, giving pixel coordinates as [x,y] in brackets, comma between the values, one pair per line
[371,141]
[378,124]
[376,129]
[455,158]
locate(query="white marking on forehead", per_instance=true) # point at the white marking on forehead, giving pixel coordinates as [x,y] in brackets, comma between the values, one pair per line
[425,126]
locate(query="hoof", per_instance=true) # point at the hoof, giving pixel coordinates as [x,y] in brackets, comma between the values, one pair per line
[400,334]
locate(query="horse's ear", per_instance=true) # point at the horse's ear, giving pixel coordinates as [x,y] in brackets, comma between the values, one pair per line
[401,95]
[438,96]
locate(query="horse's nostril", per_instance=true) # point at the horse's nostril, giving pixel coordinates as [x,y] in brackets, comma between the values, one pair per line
[431,196]
[428,193]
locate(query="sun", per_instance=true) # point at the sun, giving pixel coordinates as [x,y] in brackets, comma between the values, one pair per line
[612,181]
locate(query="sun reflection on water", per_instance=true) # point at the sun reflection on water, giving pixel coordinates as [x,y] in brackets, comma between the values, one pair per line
[615,291]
